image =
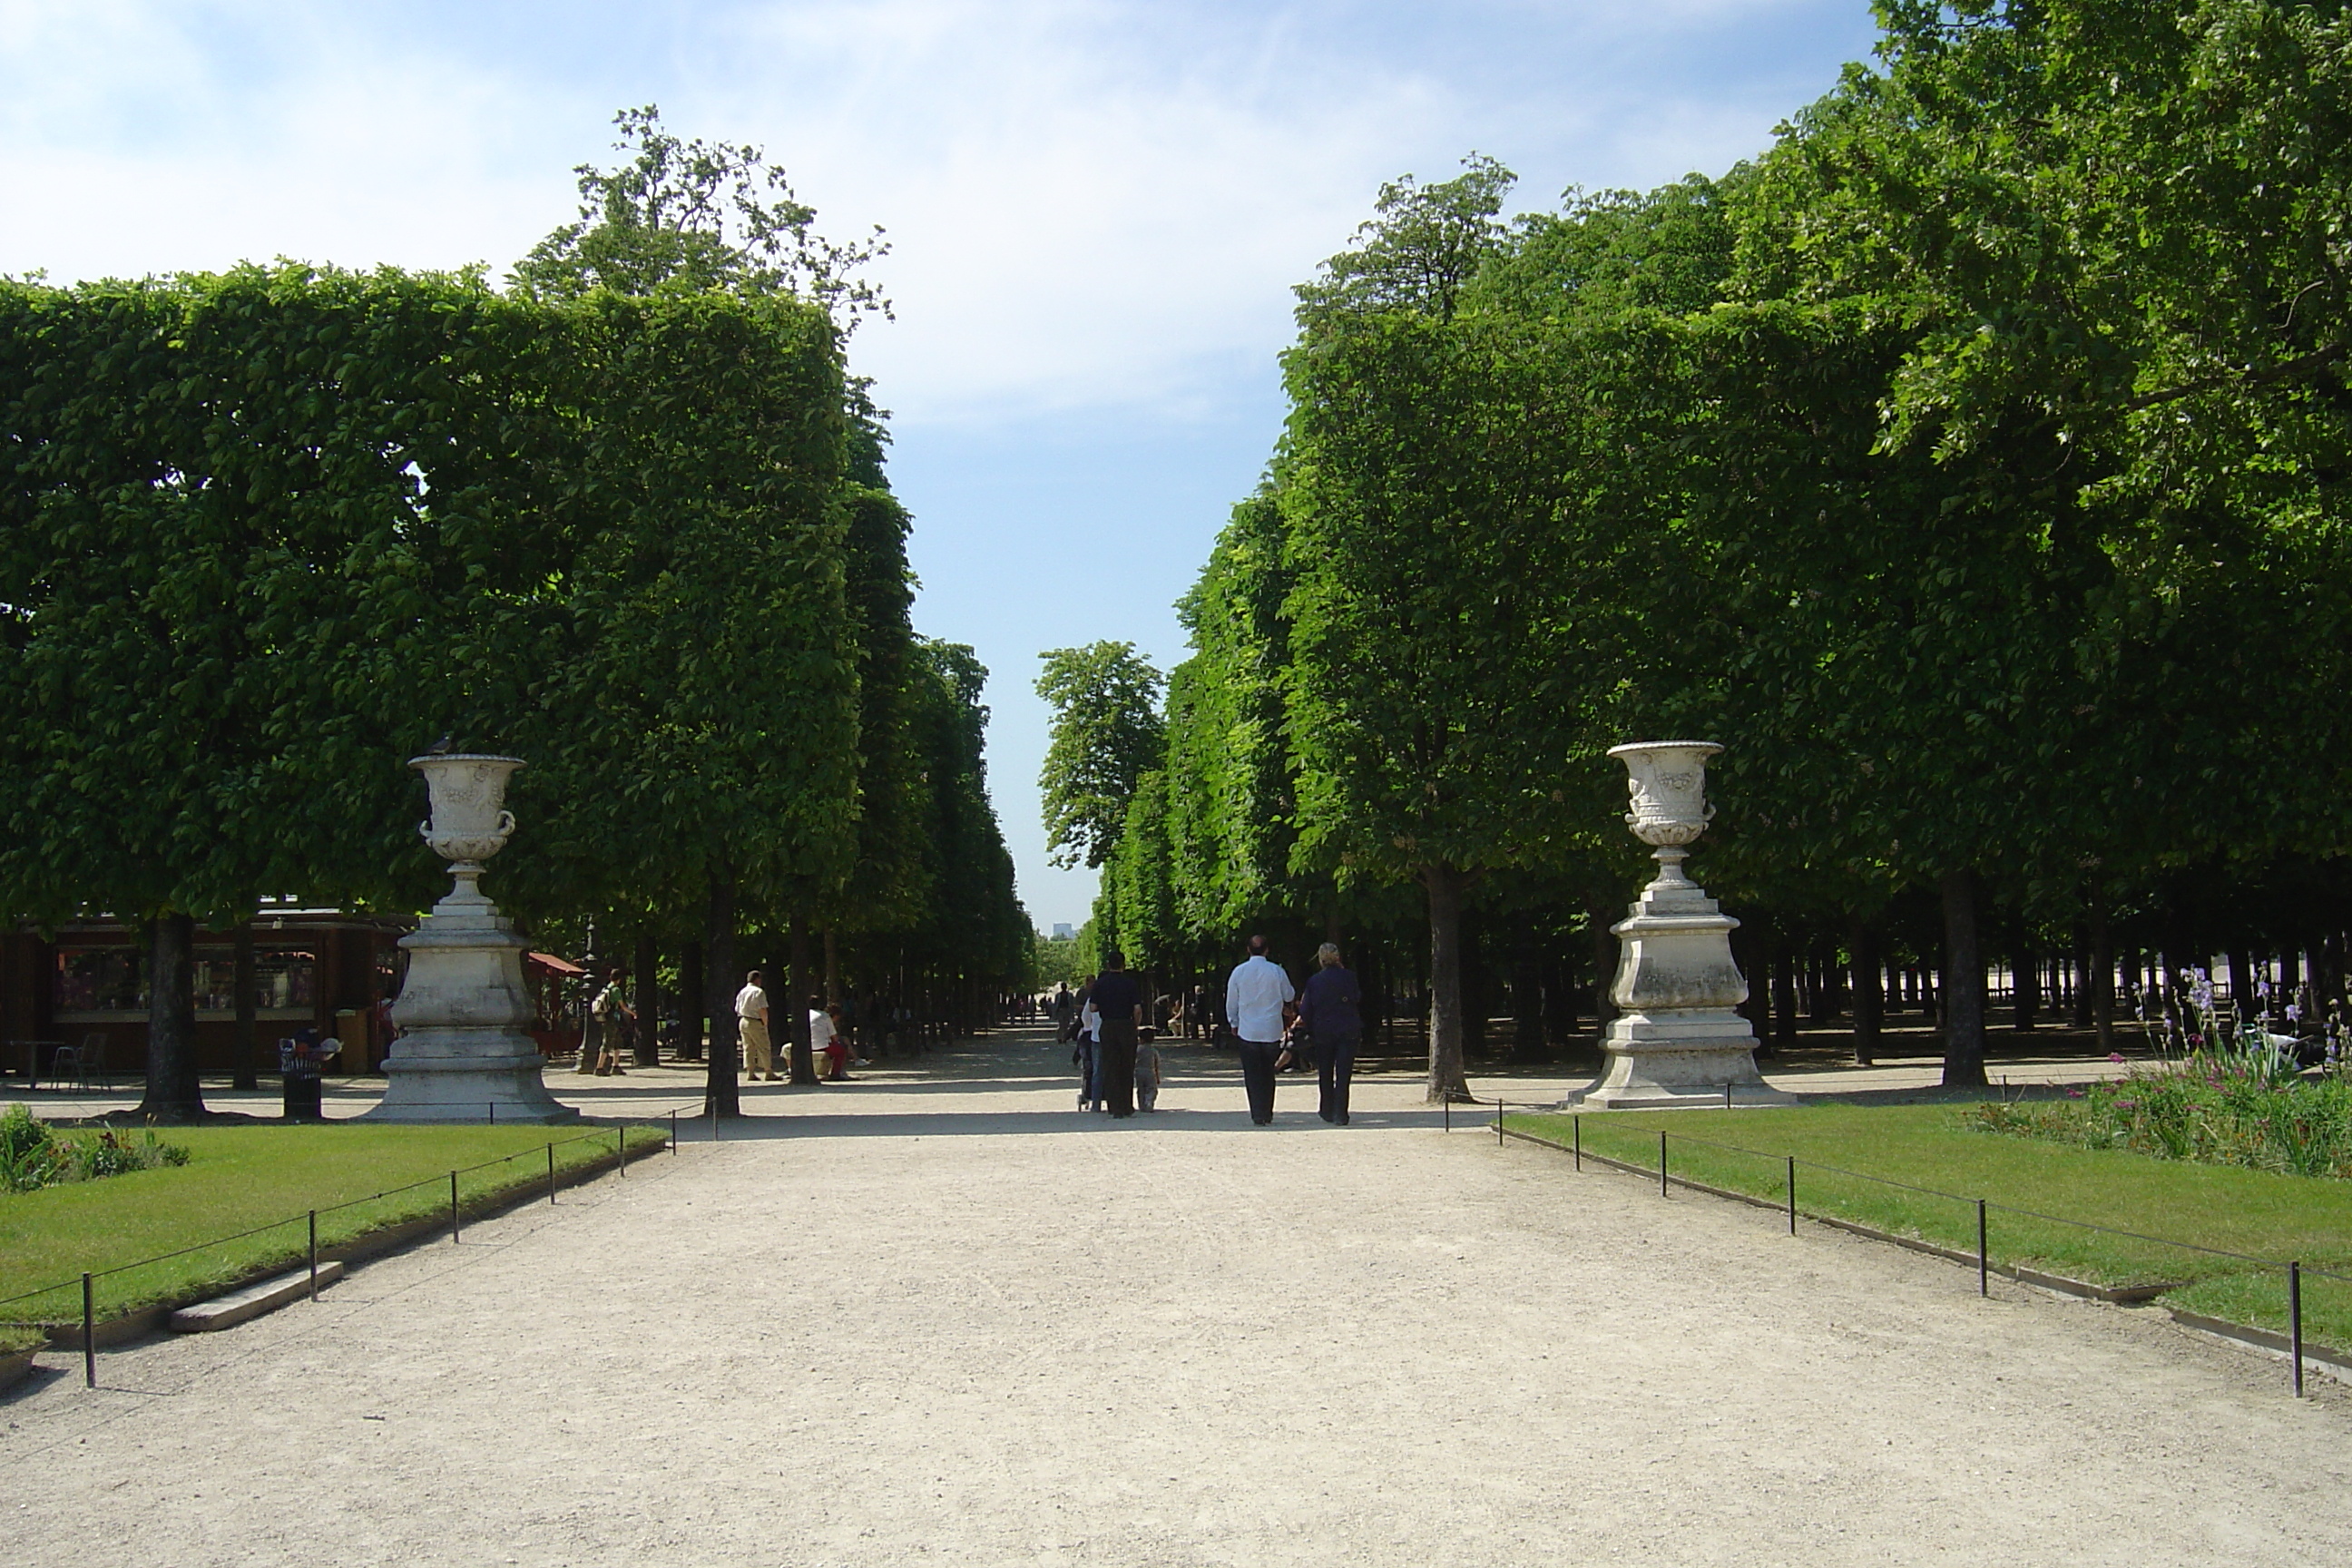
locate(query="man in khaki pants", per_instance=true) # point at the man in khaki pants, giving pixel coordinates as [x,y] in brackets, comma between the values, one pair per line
[751,1020]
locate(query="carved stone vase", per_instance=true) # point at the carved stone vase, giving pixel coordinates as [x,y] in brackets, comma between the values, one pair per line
[464,1052]
[1676,1040]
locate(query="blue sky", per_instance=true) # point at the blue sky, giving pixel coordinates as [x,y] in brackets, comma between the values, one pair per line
[1098,208]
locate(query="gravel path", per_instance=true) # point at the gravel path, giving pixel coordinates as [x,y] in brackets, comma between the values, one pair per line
[975,1326]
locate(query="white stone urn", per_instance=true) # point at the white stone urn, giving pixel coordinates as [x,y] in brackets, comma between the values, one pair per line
[1676,1040]
[465,1053]
[470,822]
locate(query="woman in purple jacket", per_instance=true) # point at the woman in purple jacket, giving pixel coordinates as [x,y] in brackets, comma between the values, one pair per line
[1329,1014]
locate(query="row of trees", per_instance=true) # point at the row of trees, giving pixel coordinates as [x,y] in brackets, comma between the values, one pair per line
[264,535]
[1973,465]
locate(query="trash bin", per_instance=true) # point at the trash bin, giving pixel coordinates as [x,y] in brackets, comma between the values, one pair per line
[298,1073]
[302,1086]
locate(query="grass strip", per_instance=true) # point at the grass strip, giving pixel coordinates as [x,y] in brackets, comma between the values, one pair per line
[1839,1148]
[241,1206]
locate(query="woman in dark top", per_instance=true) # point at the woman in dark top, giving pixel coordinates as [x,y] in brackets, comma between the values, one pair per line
[1329,1012]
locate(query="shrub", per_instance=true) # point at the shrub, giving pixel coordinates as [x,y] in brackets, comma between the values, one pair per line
[32,1155]
[2220,1108]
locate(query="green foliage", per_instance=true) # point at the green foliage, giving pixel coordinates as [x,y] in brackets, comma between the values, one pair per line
[1107,732]
[2220,1108]
[1420,250]
[698,216]
[1971,464]
[1058,962]
[269,534]
[33,1155]
[1230,812]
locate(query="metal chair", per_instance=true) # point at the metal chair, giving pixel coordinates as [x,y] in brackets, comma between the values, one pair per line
[65,1067]
[92,1057]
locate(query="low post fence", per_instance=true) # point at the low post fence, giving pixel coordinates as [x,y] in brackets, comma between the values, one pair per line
[25,1309]
[2291,1276]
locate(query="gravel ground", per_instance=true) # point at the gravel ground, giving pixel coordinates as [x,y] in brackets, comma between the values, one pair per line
[939,1316]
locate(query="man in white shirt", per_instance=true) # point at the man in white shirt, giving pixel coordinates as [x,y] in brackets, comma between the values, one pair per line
[1255,995]
[751,1025]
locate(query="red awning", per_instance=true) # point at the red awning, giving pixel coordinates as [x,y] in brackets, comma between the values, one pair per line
[552,964]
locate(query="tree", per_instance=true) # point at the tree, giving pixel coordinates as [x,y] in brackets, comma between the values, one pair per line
[1107,732]
[693,215]
[1418,250]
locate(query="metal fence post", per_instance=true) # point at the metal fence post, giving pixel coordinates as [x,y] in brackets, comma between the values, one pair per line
[621,1148]
[1792,1194]
[1448,1100]
[672,1129]
[1576,1131]
[2295,1321]
[314,1255]
[1984,1257]
[1661,1161]
[88,1335]
[453,1206]
[1498,1122]
[550,1172]
[1726,1095]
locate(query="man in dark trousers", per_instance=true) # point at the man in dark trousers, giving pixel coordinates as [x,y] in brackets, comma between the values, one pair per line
[1331,1014]
[1255,994]
[1119,1009]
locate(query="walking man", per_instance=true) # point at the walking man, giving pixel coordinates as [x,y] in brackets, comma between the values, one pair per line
[614,1016]
[1255,994]
[1118,1011]
[1330,1014]
[751,1024]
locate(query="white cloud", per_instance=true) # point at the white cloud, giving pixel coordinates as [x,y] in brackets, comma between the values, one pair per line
[1092,201]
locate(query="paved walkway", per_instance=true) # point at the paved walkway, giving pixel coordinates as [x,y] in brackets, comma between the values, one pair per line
[941,1317]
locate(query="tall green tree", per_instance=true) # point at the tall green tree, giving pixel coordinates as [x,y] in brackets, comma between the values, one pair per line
[1107,732]
[692,215]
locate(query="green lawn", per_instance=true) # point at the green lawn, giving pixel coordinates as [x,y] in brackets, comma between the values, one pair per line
[2274,1217]
[241,1178]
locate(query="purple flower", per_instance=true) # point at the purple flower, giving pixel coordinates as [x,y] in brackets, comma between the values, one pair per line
[2294,1012]
[2114,1056]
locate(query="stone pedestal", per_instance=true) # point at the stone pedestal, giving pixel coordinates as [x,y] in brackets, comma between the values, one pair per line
[464,1052]
[1677,1040]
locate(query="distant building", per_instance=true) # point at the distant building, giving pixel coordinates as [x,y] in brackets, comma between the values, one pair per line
[1062,931]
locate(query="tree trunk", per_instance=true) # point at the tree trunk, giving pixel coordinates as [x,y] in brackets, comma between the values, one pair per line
[245,1063]
[1527,994]
[2024,983]
[1444,884]
[1869,999]
[1784,993]
[2099,975]
[172,1092]
[832,969]
[797,987]
[648,989]
[1964,984]
[722,1086]
[693,1000]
